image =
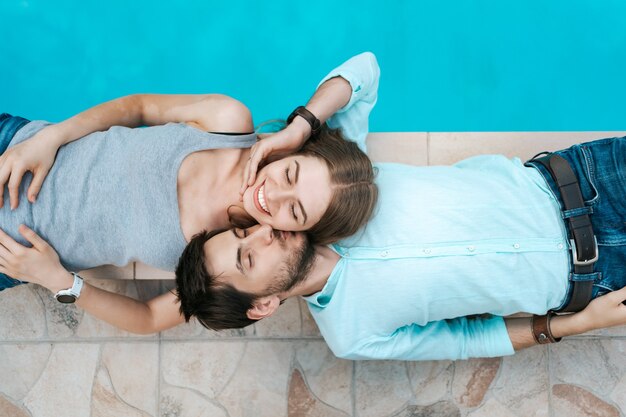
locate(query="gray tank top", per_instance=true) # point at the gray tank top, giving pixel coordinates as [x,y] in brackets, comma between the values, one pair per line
[111,197]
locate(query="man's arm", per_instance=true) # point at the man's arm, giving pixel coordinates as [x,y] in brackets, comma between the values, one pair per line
[463,338]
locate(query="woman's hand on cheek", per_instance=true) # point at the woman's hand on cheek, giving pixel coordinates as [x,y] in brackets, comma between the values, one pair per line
[38,264]
[275,146]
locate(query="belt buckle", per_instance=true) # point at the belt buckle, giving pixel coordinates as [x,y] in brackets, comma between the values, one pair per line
[586,261]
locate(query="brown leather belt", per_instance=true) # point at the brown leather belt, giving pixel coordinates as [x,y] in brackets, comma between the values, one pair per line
[582,240]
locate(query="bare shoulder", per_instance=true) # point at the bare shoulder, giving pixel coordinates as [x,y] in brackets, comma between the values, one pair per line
[222,113]
[210,112]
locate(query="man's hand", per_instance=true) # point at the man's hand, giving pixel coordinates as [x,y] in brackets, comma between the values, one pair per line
[36,155]
[275,146]
[38,264]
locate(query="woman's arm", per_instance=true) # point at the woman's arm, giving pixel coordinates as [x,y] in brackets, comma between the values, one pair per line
[40,265]
[210,112]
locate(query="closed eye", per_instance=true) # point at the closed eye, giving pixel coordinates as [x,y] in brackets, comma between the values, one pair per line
[293,212]
[287,175]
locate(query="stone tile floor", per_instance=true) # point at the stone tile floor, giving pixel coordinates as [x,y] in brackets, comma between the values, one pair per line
[58,361]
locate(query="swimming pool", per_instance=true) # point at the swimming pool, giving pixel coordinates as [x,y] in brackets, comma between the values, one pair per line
[446,65]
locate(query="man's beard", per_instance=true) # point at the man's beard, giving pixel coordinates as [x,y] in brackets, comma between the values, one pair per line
[295,269]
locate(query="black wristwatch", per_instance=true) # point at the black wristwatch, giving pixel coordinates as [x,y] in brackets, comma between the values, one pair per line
[306,115]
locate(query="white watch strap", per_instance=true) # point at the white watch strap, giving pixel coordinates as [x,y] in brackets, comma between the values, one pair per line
[77,287]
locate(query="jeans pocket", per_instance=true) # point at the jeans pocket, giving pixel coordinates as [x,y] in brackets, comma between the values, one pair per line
[588,185]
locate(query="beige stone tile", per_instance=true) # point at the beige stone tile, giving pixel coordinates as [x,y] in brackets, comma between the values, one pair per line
[286,322]
[438,409]
[148,289]
[573,401]
[472,380]
[185,331]
[178,402]
[62,319]
[21,366]
[302,403]
[596,365]
[309,327]
[133,369]
[523,382]
[143,271]
[401,147]
[206,367]
[493,408]
[382,387]
[194,330]
[328,378]
[618,396]
[448,148]
[109,272]
[259,386]
[66,382]
[105,403]
[8,409]
[430,380]
[23,314]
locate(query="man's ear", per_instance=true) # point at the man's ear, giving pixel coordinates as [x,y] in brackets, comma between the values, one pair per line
[263,307]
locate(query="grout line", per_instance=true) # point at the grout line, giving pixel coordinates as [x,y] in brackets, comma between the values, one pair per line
[353,390]
[160,376]
[165,339]
[427,148]
[160,360]
[549,355]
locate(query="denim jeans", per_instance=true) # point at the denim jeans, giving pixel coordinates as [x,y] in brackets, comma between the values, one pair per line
[9,125]
[601,170]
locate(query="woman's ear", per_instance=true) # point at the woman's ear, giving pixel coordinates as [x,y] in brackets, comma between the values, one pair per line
[263,307]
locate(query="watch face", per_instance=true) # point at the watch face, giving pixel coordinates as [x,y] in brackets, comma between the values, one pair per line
[66,298]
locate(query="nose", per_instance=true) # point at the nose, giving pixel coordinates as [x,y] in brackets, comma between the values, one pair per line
[277,193]
[264,235]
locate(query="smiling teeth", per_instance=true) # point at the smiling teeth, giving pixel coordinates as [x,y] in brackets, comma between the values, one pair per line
[262,198]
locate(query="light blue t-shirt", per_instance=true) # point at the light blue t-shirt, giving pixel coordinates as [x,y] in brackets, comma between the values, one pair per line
[481,236]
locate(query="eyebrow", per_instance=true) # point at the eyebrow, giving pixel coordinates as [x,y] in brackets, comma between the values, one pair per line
[238,261]
[299,202]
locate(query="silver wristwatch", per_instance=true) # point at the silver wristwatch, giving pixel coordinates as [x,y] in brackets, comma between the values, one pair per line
[70,295]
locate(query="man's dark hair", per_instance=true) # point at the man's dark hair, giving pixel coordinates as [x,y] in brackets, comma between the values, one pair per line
[217,305]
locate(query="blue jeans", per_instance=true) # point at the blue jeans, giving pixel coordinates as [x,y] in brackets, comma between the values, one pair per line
[9,125]
[601,170]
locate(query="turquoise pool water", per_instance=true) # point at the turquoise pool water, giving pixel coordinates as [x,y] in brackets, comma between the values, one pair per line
[446,65]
